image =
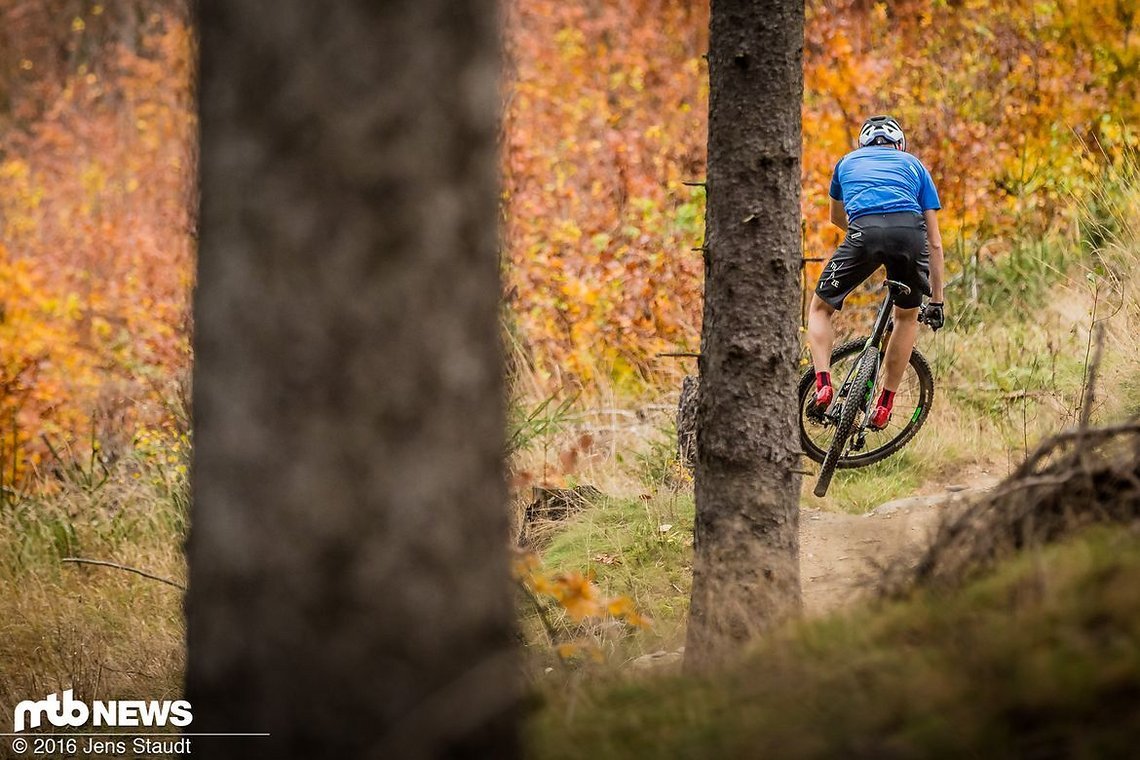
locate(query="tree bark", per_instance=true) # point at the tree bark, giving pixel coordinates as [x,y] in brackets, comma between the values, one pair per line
[349,584]
[746,564]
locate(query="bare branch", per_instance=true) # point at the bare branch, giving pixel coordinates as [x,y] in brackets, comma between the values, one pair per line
[127,568]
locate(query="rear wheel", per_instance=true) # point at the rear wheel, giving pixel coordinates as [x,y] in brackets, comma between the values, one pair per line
[911,408]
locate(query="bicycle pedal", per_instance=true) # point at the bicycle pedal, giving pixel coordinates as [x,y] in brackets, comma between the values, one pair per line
[822,417]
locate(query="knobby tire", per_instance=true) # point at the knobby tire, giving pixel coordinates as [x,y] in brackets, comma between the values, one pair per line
[855,401]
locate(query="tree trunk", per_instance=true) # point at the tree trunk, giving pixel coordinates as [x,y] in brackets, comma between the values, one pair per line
[746,565]
[349,583]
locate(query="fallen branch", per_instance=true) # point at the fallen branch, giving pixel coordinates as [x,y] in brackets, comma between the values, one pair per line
[1087,436]
[1079,477]
[127,568]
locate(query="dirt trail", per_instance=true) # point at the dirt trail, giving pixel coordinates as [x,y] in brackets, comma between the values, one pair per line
[840,553]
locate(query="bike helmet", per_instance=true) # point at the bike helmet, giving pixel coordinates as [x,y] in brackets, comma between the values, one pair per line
[881,130]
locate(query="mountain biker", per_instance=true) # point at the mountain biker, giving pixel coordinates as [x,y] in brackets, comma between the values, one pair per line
[885,199]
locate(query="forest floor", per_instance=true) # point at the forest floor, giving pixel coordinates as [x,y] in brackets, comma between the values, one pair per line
[842,555]
[1035,659]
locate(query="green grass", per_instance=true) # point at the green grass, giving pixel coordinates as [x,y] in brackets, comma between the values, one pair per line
[1017,282]
[861,490]
[640,548]
[1042,658]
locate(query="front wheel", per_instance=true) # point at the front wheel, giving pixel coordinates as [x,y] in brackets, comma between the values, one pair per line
[855,400]
[911,408]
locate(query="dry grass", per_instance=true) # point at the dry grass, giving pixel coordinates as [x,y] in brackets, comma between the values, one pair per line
[102,632]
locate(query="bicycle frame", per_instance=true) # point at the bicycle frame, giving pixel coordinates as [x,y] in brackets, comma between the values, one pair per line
[879,330]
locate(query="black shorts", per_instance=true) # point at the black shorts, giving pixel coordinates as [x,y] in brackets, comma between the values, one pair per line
[896,241]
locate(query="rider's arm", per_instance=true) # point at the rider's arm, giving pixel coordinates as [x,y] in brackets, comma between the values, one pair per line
[839,215]
[934,241]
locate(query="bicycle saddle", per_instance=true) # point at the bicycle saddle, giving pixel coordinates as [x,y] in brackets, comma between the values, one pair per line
[897,288]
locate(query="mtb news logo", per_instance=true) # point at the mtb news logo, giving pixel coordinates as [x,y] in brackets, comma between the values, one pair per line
[75,713]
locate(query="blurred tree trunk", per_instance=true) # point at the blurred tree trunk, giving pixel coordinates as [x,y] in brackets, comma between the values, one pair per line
[746,566]
[349,583]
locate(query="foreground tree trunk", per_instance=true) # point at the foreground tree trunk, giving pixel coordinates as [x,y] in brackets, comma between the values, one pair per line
[349,585]
[746,565]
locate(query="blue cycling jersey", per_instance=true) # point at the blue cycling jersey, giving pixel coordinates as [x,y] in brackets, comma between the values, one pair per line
[879,179]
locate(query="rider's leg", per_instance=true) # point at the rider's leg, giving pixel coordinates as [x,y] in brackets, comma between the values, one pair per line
[821,334]
[900,346]
[898,356]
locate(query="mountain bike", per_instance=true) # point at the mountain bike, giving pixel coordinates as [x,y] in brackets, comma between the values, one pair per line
[840,437]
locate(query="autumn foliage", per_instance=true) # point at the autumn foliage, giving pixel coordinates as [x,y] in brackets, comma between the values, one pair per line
[96,241]
[604,120]
[1014,106]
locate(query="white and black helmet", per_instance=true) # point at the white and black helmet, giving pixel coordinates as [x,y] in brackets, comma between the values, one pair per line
[881,130]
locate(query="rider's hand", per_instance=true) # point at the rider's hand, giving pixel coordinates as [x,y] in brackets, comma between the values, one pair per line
[934,316]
